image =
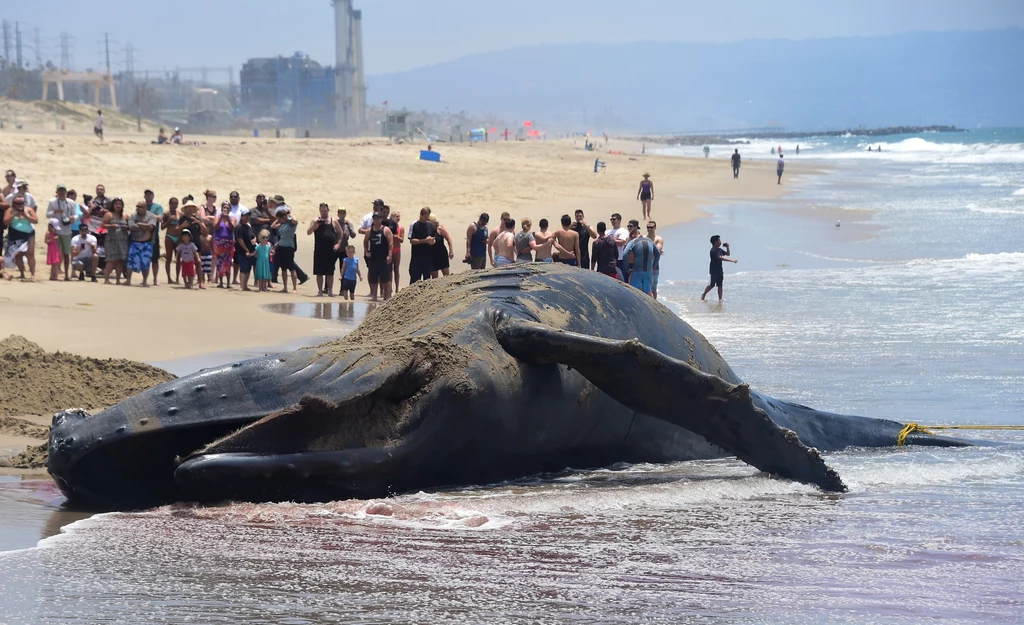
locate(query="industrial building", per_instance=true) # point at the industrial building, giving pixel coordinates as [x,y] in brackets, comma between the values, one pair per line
[297,92]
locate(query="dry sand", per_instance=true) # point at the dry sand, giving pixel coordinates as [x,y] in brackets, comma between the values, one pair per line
[528,179]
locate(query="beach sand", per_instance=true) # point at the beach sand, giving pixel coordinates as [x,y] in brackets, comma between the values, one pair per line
[528,179]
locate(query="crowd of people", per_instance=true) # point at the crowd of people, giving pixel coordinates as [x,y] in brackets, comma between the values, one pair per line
[198,244]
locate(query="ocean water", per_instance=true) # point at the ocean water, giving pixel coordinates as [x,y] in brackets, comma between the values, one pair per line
[910,309]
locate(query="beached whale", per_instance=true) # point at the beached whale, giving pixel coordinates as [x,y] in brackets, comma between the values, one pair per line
[472,379]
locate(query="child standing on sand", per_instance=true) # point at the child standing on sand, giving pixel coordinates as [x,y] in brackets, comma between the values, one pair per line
[187,252]
[262,270]
[349,272]
[53,256]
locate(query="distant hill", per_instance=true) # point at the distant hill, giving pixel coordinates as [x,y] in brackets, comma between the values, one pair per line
[962,78]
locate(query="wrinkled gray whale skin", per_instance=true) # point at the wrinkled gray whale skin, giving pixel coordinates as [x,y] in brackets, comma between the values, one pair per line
[493,375]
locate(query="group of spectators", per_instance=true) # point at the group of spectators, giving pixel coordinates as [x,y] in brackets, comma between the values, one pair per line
[228,243]
[622,253]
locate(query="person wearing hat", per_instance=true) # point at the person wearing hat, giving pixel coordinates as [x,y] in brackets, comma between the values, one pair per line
[287,245]
[20,222]
[276,203]
[378,244]
[646,195]
[367,221]
[245,245]
[176,138]
[63,211]
[84,252]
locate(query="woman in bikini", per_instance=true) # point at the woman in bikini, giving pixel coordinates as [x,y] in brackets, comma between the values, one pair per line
[210,214]
[172,234]
[396,251]
[646,195]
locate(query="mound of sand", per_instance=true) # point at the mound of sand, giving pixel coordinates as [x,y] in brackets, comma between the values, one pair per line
[20,427]
[40,383]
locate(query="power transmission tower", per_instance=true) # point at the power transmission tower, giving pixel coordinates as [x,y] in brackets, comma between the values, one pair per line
[65,51]
[38,50]
[17,42]
[7,42]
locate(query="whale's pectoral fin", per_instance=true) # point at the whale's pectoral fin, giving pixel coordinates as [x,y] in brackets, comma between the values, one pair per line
[652,383]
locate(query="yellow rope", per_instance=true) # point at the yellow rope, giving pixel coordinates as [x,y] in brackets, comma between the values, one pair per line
[914,427]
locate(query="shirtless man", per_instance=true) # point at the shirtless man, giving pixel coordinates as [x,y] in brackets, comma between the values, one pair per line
[504,246]
[544,239]
[493,234]
[567,241]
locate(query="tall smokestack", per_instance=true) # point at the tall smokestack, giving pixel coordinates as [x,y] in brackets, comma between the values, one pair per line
[343,70]
[359,111]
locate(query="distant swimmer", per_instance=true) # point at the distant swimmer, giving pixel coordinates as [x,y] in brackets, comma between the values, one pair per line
[706,151]
[646,195]
[736,163]
[879,148]
[798,149]
[869,149]
[773,150]
[779,168]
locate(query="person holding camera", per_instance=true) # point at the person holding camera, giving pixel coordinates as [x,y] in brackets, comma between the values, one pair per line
[64,211]
[326,233]
[719,251]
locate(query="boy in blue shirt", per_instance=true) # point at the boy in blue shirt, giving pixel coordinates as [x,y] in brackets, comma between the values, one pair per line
[349,272]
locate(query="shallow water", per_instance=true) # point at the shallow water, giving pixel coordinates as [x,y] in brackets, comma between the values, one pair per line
[912,312]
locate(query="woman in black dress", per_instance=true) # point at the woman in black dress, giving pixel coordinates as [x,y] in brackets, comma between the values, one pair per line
[326,233]
[442,255]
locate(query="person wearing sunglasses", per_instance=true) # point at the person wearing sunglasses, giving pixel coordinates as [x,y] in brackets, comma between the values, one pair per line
[621,236]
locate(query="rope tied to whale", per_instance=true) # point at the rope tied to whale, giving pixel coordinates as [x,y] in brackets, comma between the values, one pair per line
[910,428]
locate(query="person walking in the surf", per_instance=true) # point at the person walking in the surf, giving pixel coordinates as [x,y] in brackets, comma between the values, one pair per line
[646,195]
[719,251]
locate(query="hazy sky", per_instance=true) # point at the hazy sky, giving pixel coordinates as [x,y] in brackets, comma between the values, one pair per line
[403,34]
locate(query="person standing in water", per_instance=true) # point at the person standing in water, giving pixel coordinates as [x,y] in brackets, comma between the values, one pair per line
[736,163]
[779,168]
[707,150]
[716,274]
[646,195]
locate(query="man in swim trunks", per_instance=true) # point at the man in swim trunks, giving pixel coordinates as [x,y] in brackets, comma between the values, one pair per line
[736,163]
[719,251]
[503,249]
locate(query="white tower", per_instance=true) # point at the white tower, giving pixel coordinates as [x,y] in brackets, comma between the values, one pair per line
[344,70]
